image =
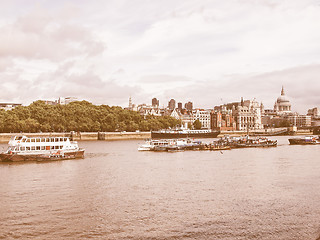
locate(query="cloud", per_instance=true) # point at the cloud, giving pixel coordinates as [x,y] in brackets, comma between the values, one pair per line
[39,35]
[163,78]
[301,86]
[201,51]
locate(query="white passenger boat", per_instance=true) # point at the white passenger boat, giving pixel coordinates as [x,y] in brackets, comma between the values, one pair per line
[167,144]
[22,148]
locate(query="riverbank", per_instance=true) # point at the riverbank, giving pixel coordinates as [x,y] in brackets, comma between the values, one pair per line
[113,136]
[84,136]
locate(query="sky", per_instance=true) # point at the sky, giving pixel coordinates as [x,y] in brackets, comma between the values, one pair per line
[209,52]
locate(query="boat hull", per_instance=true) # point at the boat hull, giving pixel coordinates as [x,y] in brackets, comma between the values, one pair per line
[261,145]
[166,135]
[6,157]
[298,141]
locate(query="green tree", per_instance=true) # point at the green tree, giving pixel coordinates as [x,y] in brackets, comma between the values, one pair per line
[79,116]
[197,124]
[285,123]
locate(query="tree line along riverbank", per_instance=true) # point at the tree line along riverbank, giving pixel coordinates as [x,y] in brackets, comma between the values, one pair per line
[80,116]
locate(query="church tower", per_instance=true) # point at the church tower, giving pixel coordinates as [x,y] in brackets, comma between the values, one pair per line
[130,103]
[282,105]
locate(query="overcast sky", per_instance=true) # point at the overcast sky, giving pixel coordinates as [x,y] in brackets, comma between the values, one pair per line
[205,51]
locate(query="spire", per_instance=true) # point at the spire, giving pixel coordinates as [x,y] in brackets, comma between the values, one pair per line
[130,103]
[282,91]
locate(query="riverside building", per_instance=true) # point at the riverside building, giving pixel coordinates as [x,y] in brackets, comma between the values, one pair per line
[248,115]
[222,119]
[203,116]
[299,121]
[9,106]
[244,115]
[283,116]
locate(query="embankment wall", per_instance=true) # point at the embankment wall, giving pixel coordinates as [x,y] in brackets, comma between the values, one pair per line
[83,136]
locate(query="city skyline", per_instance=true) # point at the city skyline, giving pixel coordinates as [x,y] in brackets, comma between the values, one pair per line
[207,52]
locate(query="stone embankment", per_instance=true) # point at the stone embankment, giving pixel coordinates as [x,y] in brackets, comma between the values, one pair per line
[83,136]
[111,136]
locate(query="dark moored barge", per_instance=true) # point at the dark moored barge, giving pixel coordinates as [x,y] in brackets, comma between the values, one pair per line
[308,140]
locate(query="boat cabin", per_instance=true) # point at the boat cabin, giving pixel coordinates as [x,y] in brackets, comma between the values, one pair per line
[40,144]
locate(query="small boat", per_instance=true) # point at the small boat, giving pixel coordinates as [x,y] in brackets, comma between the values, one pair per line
[158,145]
[219,147]
[247,142]
[22,148]
[255,144]
[307,140]
[169,145]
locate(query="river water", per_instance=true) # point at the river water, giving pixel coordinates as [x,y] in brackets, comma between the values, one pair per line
[117,192]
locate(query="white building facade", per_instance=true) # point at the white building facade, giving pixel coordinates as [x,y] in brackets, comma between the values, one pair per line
[248,115]
[203,116]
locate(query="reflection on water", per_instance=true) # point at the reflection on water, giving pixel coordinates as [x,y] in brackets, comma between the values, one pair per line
[117,192]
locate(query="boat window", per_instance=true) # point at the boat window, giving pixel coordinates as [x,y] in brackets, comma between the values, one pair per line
[37,147]
[28,148]
[52,147]
[43,148]
[33,140]
[19,138]
[23,148]
[61,147]
[37,139]
[33,148]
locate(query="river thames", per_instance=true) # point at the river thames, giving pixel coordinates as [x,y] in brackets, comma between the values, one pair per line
[117,192]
